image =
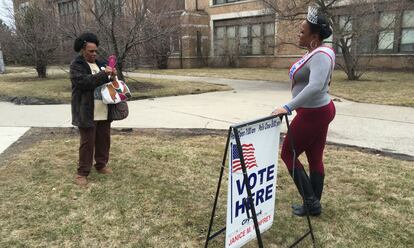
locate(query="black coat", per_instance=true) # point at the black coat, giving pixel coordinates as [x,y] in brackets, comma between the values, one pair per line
[83,86]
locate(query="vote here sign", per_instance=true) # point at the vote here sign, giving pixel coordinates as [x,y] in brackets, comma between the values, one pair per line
[260,145]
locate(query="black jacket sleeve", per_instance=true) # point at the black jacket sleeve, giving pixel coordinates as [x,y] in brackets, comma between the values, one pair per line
[82,80]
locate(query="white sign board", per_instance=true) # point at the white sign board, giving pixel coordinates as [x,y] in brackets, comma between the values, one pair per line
[260,144]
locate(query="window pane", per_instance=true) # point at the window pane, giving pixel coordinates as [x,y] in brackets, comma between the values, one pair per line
[244,46]
[408,19]
[348,44]
[386,40]
[256,46]
[407,48]
[219,47]
[220,32]
[231,46]
[60,9]
[345,23]
[345,32]
[365,44]
[387,20]
[219,44]
[219,1]
[256,30]
[269,45]
[407,36]
[243,31]
[269,29]
[328,41]
[231,32]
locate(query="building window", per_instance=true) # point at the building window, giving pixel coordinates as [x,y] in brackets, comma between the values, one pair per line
[219,40]
[102,6]
[68,8]
[247,36]
[407,32]
[256,31]
[175,44]
[378,32]
[386,32]
[269,38]
[244,40]
[345,32]
[217,2]
[231,39]
[68,11]
[366,37]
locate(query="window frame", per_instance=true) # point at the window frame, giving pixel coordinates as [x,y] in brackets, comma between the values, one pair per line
[401,30]
[392,28]
[397,29]
[247,49]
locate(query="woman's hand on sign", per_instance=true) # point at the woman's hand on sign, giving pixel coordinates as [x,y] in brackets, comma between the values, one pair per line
[279,111]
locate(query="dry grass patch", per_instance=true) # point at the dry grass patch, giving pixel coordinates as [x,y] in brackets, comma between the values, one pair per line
[389,88]
[378,87]
[161,194]
[267,74]
[57,87]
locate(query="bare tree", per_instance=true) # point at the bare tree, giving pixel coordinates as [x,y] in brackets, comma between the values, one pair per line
[164,20]
[356,29]
[123,25]
[38,37]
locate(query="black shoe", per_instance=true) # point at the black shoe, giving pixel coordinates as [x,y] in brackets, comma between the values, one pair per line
[315,209]
[296,206]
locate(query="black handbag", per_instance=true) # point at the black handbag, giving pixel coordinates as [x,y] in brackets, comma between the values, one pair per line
[118,111]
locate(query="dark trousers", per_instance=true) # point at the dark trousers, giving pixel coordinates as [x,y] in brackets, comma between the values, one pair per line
[309,129]
[94,139]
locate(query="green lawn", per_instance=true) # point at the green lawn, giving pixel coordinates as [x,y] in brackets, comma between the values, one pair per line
[57,87]
[378,87]
[161,195]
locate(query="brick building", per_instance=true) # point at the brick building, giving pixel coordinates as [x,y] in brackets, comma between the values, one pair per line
[246,33]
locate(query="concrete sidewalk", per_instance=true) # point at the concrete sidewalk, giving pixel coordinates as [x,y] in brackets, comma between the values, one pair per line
[386,128]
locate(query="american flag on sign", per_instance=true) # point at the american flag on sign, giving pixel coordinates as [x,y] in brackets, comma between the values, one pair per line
[248,155]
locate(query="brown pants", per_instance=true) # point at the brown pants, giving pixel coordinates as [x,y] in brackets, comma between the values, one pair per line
[96,138]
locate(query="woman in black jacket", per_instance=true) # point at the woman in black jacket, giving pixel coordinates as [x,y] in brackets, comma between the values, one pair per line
[90,115]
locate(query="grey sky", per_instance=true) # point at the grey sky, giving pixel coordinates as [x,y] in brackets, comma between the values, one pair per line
[5,7]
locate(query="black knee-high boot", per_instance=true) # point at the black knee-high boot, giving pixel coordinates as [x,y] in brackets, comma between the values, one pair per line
[311,203]
[317,181]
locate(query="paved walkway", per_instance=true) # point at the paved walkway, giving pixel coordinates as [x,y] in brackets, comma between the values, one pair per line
[386,128]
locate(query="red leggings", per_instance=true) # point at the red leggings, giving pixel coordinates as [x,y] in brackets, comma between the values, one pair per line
[308,130]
